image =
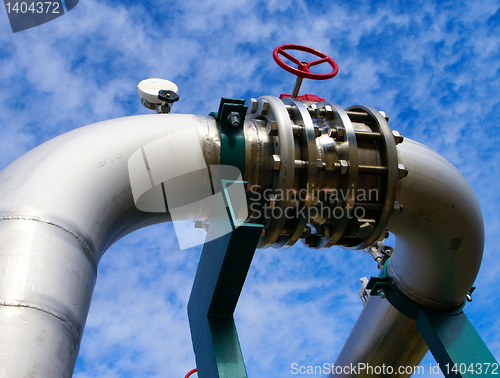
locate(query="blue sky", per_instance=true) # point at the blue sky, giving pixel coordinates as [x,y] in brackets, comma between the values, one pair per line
[434,67]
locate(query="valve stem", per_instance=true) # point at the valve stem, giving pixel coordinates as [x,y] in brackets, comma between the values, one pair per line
[296,88]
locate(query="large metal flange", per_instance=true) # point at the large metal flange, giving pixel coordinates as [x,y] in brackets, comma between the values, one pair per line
[272,110]
[389,158]
[308,174]
[338,119]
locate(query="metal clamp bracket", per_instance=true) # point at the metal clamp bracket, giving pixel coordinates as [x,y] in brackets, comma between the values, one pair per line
[383,287]
[221,273]
[450,336]
[230,119]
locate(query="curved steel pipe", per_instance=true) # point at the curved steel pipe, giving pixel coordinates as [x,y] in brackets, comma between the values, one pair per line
[439,247]
[440,233]
[383,343]
[65,202]
[61,206]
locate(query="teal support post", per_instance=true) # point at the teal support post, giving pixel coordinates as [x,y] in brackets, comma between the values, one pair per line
[224,264]
[222,270]
[455,344]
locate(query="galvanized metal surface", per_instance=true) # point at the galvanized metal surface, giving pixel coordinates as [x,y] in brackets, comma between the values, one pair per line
[382,336]
[272,109]
[439,234]
[439,246]
[61,206]
[65,202]
[313,158]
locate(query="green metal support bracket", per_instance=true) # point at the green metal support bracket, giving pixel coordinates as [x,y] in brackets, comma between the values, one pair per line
[222,270]
[221,273]
[230,119]
[455,344]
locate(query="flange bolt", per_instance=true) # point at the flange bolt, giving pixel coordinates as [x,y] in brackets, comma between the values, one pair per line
[234,119]
[381,293]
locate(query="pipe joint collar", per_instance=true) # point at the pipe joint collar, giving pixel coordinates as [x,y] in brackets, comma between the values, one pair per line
[384,287]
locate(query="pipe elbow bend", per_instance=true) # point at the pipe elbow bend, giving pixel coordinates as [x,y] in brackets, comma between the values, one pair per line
[440,233]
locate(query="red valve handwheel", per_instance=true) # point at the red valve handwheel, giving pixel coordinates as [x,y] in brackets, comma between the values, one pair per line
[191,373]
[303,71]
